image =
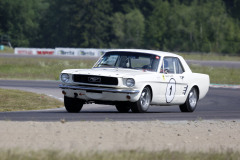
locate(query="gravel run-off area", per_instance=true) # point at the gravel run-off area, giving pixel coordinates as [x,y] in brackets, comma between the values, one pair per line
[200,135]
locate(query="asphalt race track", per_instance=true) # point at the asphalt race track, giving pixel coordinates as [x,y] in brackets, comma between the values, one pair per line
[220,103]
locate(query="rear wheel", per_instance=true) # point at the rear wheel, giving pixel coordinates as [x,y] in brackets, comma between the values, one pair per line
[191,102]
[143,103]
[73,105]
[123,107]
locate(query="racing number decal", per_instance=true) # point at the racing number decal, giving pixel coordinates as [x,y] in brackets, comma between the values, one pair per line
[170,91]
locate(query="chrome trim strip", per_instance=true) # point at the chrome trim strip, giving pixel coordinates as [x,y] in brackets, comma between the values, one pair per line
[98,89]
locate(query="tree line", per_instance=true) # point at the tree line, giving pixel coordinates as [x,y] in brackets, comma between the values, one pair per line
[168,25]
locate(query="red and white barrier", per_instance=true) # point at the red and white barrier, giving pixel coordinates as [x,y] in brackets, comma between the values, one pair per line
[45,51]
[25,51]
[90,52]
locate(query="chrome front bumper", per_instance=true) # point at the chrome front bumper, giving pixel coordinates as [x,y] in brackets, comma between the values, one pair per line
[98,89]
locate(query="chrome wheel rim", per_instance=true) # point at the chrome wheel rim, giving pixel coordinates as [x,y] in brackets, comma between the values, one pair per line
[193,98]
[145,98]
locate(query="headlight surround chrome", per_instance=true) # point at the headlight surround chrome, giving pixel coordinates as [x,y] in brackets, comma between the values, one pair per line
[65,77]
[130,82]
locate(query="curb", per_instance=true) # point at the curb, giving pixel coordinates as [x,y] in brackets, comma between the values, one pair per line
[225,86]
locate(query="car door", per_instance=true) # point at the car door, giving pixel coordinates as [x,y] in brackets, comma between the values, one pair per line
[175,80]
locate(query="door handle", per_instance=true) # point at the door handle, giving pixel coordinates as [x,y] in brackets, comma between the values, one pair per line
[181,77]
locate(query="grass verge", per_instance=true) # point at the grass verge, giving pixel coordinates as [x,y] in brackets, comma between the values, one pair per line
[209,57]
[219,75]
[49,69]
[38,68]
[7,50]
[126,155]
[15,100]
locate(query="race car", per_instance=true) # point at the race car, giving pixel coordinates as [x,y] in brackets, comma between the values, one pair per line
[133,79]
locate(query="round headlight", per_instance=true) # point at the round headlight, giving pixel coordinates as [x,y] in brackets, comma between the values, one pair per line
[130,82]
[64,77]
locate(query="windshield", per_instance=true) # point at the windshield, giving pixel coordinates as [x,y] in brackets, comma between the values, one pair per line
[129,60]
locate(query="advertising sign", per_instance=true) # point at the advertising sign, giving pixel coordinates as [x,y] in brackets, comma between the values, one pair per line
[45,51]
[65,51]
[25,51]
[90,52]
[87,52]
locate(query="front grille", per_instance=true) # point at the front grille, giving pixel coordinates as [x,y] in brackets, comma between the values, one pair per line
[95,79]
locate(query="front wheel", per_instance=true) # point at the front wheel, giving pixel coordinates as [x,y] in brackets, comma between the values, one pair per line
[73,105]
[143,103]
[191,102]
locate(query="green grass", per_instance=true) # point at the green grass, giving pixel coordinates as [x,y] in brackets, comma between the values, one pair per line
[38,68]
[49,69]
[7,50]
[120,155]
[209,57]
[15,100]
[219,75]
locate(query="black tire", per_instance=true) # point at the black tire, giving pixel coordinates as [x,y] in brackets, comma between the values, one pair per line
[143,103]
[191,102]
[73,105]
[123,107]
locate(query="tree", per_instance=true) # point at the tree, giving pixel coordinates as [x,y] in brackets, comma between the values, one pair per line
[196,26]
[92,24]
[156,25]
[19,20]
[123,6]
[171,25]
[56,24]
[128,30]
[77,24]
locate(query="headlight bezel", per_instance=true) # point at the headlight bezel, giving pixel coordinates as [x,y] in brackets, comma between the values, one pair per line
[65,77]
[130,82]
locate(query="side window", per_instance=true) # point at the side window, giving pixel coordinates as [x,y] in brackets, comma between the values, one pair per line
[179,67]
[171,65]
[167,66]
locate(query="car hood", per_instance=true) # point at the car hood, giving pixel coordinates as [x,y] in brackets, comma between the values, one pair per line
[109,72]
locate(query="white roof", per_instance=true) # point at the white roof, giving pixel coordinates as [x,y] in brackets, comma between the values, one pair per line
[159,53]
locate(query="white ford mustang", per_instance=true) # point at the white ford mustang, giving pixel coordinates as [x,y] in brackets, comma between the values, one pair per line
[133,80]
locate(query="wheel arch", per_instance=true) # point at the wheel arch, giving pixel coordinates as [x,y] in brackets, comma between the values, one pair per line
[197,89]
[146,85]
[150,90]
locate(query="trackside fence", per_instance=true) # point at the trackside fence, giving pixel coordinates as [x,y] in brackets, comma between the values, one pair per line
[90,52]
